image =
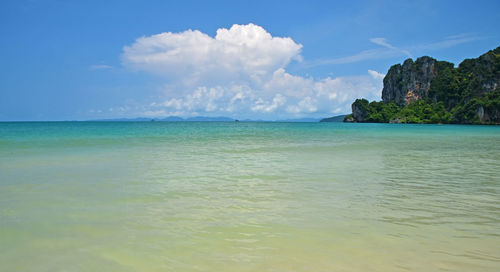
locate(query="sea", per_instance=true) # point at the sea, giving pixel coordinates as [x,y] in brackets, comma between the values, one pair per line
[248,196]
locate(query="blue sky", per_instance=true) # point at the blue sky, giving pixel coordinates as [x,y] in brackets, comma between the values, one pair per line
[80,60]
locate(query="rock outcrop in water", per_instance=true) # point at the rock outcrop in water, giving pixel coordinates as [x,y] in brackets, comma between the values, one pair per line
[431,91]
[359,110]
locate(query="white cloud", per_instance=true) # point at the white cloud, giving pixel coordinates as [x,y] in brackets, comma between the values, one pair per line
[284,95]
[243,52]
[381,41]
[240,73]
[263,106]
[307,105]
[291,85]
[376,75]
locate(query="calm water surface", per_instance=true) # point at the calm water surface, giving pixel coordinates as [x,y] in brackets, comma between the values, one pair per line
[84,196]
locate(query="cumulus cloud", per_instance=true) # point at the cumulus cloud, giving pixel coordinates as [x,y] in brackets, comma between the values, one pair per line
[243,52]
[307,105]
[264,106]
[284,95]
[376,75]
[240,73]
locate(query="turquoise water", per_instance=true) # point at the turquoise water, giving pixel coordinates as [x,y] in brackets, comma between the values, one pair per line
[84,196]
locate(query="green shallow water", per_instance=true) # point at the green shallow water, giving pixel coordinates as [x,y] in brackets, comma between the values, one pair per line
[84,196]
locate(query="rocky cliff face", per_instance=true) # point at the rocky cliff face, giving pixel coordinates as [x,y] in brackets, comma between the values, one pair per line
[431,91]
[491,115]
[411,81]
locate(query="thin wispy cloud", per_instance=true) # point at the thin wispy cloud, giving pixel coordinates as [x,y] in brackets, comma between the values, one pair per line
[383,42]
[371,54]
[448,42]
[100,67]
[389,50]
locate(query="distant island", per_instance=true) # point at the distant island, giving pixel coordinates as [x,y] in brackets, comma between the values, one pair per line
[169,119]
[339,118]
[204,119]
[431,91]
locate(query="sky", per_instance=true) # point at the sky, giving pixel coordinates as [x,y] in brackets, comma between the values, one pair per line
[269,60]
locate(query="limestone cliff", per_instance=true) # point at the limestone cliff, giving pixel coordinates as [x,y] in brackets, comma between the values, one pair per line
[431,91]
[411,81]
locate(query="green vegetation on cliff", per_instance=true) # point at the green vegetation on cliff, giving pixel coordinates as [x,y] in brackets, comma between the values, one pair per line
[418,112]
[429,112]
[430,91]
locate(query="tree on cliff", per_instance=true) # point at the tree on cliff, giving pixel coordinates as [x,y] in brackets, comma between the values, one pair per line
[431,91]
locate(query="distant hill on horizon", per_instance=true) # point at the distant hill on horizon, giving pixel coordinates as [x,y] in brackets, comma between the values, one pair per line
[338,118]
[299,120]
[169,119]
[200,119]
